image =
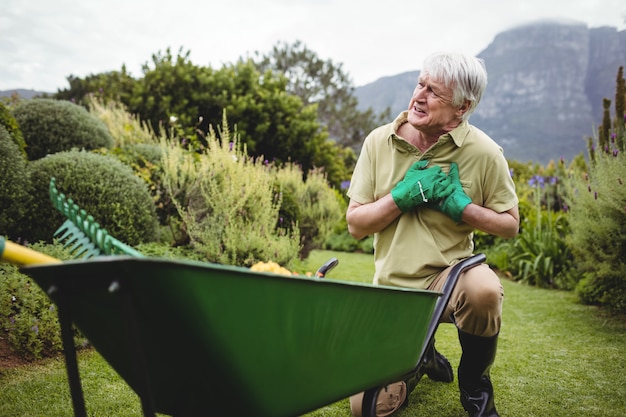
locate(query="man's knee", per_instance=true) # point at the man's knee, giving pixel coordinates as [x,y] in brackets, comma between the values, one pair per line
[479,302]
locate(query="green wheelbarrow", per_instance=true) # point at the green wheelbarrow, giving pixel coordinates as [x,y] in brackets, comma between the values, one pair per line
[199,339]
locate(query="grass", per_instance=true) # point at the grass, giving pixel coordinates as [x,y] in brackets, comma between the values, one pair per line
[555,358]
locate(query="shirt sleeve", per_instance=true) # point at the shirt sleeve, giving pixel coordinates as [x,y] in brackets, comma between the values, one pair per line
[500,194]
[361,187]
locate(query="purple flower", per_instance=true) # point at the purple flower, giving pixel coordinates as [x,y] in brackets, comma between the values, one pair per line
[536,180]
[345,184]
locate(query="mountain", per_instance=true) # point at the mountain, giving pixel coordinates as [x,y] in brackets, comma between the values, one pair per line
[547,80]
[23,93]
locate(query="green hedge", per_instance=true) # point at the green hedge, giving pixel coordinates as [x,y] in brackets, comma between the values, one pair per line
[101,185]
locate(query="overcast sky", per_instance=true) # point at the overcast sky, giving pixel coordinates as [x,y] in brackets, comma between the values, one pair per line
[42,42]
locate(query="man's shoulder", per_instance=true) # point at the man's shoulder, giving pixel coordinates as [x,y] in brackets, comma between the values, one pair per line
[478,137]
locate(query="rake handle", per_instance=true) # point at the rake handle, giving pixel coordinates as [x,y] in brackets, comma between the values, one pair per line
[21,255]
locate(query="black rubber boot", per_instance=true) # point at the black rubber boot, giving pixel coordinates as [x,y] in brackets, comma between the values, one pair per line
[475,385]
[436,366]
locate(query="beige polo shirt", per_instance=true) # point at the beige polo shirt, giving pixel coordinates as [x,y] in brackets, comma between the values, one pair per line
[419,244]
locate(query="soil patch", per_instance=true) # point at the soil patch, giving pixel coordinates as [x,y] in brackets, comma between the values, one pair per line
[8,358]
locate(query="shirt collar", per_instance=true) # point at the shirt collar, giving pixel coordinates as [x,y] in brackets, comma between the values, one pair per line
[458,134]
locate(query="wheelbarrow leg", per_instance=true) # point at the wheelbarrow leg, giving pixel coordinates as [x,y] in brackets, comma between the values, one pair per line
[69,351]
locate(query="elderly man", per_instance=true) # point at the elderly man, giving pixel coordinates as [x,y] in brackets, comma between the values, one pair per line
[422,185]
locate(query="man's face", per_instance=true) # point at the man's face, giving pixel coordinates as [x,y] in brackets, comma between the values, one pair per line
[430,109]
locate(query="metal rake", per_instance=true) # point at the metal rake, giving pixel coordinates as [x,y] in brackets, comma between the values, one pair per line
[81,234]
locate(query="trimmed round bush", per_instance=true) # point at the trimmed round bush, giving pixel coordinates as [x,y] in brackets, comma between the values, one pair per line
[14,187]
[103,186]
[50,126]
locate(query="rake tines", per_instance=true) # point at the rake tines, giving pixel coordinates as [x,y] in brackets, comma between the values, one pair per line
[82,234]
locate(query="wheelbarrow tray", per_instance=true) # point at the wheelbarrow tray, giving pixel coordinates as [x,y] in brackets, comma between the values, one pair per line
[203,339]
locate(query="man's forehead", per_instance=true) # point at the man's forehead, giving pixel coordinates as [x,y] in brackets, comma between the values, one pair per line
[434,82]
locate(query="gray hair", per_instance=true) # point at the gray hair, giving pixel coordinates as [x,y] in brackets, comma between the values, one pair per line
[465,74]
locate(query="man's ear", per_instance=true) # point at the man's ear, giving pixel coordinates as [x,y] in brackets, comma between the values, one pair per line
[464,107]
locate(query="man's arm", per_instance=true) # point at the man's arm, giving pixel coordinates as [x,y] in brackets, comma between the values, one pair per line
[367,219]
[505,224]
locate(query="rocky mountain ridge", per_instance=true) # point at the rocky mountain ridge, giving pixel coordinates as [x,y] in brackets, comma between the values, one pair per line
[546,84]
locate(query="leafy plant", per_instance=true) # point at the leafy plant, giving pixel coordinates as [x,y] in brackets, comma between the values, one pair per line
[597,201]
[539,255]
[311,205]
[28,319]
[226,202]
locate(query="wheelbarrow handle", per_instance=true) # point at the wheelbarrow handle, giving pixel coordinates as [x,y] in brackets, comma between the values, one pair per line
[326,268]
[448,288]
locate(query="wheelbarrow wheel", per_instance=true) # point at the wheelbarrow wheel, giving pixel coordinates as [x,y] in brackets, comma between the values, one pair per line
[379,402]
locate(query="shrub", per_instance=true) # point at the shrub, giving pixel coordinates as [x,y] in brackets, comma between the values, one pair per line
[51,126]
[135,145]
[28,318]
[101,185]
[597,201]
[598,231]
[125,128]
[14,187]
[10,124]
[226,202]
[312,205]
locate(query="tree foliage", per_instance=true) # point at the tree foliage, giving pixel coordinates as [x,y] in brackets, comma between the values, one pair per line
[185,100]
[325,84]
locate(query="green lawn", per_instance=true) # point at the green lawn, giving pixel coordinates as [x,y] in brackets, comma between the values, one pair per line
[555,358]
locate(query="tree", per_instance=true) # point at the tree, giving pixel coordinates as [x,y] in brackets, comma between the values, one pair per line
[113,85]
[325,84]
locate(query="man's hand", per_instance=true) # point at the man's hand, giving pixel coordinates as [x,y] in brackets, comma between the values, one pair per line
[453,199]
[420,185]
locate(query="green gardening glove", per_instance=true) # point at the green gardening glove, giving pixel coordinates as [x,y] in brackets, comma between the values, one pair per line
[452,200]
[420,185]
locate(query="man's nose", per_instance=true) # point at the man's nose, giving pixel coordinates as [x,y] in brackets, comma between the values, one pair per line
[419,93]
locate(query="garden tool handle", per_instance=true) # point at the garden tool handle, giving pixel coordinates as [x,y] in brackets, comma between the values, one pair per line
[21,255]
